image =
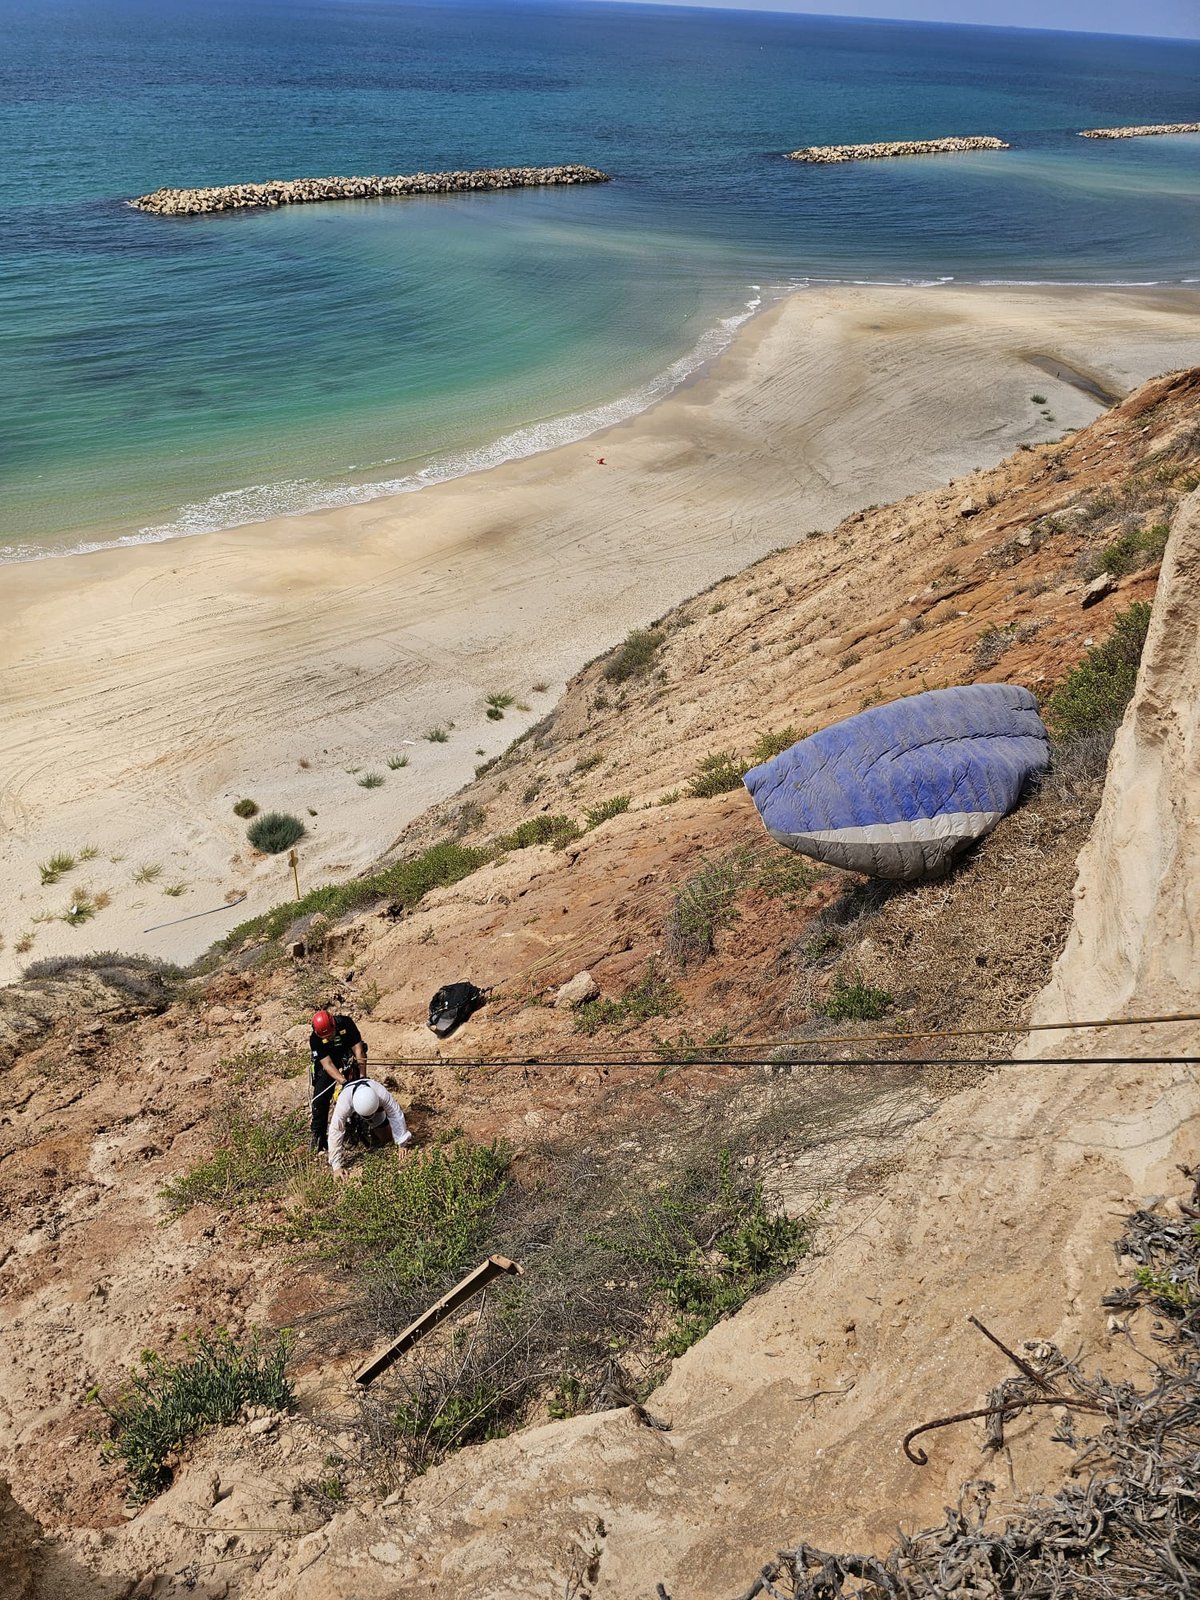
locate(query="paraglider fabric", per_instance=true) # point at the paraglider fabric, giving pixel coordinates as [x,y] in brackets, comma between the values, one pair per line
[897,791]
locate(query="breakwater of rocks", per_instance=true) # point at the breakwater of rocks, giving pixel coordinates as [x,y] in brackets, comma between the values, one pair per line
[306,191]
[1144,132]
[819,154]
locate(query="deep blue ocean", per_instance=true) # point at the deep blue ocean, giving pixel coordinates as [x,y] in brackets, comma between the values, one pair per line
[161,376]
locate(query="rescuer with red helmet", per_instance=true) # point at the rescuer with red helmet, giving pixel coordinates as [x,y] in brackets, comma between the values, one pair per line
[338,1056]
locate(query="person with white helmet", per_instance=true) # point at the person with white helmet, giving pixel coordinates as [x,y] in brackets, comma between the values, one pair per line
[368,1114]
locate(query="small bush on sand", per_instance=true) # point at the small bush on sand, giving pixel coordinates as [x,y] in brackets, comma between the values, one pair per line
[703,1242]
[148,872]
[371,780]
[83,908]
[255,1156]
[168,1403]
[437,735]
[717,773]
[595,815]
[394,763]
[855,1002]
[246,809]
[704,904]
[259,1061]
[557,830]
[1092,697]
[413,1221]
[275,831]
[991,646]
[143,979]
[651,996]
[51,871]
[404,883]
[1131,552]
[634,657]
[768,745]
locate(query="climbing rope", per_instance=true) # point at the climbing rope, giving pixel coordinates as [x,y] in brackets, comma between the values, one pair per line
[727,1054]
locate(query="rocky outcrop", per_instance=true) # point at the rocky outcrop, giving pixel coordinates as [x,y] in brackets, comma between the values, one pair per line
[1136,934]
[305,191]
[823,154]
[1145,131]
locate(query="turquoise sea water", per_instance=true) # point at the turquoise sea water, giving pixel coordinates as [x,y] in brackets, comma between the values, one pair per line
[167,376]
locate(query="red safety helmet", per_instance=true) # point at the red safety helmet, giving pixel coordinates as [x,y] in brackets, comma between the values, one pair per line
[322,1024]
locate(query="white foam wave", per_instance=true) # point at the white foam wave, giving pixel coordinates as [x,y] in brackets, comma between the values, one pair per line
[234,508]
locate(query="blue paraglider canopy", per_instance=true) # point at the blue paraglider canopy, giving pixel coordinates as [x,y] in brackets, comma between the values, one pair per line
[898,791]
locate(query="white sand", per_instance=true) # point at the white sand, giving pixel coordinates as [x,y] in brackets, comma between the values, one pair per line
[147,688]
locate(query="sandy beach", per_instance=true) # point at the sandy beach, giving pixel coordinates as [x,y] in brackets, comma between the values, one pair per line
[148,688]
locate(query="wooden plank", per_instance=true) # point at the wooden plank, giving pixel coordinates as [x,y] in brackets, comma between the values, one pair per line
[483,1274]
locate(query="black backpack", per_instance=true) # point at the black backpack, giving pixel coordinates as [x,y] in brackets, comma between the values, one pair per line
[453,1004]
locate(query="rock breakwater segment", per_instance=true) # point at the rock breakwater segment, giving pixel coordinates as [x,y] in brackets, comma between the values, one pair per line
[1146,131]
[306,191]
[822,154]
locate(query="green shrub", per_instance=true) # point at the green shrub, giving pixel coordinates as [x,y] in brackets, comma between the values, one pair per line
[634,657]
[439,1424]
[371,780]
[1093,696]
[784,875]
[595,815]
[705,903]
[651,996]
[167,1404]
[51,871]
[1161,1286]
[394,763]
[1131,552]
[495,714]
[499,702]
[275,831]
[261,1060]
[436,735]
[246,808]
[557,830]
[83,908]
[404,882]
[855,1002]
[588,763]
[717,773]
[768,745]
[255,1156]
[417,1220]
[991,646]
[709,1247]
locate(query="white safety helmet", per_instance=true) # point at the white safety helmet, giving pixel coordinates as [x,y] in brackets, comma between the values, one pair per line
[364,1102]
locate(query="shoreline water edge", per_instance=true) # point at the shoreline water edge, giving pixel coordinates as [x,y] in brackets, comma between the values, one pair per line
[152,685]
[251,504]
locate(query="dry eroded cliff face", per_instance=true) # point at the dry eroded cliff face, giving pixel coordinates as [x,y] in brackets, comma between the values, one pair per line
[786,1420]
